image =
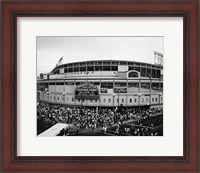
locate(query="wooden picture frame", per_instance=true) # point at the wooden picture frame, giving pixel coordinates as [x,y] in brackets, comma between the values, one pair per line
[11,10]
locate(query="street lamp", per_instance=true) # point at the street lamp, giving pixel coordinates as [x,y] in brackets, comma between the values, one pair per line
[139,97]
[160,95]
[47,95]
[113,99]
[63,94]
[68,115]
[118,97]
[81,103]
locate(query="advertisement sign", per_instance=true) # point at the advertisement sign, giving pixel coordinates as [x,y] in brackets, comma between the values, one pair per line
[104,90]
[120,90]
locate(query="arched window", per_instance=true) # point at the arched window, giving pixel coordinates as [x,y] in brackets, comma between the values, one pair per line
[133,74]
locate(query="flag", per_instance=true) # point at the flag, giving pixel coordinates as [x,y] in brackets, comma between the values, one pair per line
[158,58]
[60,61]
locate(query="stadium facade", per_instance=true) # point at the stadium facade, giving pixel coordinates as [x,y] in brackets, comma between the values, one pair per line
[103,83]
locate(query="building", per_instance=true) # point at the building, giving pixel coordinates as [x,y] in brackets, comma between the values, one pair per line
[103,83]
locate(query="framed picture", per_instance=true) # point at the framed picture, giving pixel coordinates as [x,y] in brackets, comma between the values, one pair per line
[100,86]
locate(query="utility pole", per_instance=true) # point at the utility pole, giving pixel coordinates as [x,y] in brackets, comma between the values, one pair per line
[118,98]
[81,103]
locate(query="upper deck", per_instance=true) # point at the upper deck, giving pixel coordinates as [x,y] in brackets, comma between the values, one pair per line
[108,66]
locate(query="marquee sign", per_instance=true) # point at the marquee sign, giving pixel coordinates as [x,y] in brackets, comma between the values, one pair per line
[86,91]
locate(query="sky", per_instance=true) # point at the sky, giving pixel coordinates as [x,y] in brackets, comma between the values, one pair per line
[74,49]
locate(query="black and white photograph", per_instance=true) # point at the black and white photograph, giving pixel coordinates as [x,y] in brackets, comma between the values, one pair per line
[99,86]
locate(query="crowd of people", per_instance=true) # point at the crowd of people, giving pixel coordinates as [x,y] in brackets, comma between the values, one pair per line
[88,118]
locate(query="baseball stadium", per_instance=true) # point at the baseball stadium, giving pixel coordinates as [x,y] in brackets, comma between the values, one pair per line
[108,83]
[101,94]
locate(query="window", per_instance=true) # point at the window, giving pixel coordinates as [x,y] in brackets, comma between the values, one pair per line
[96,83]
[69,83]
[143,72]
[46,85]
[156,99]
[90,63]
[106,68]
[148,72]
[90,68]
[130,100]
[114,68]
[104,100]
[76,69]
[145,85]
[79,100]
[98,68]
[63,99]
[153,73]
[58,98]
[161,86]
[66,70]
[120,84]
[123,63]
[82,69]
[109,100]
[131,68]
[152,99]
[161,99]
[91,100]
[115,62]
[137,68]
[106,62]
[155,86]
[131,84]
[83,100]
[60,83]
[122,100]
[96,101]
[71,69]
[82,63]
[50,97]
[142,100]
[158,73]
[107,85]
[135,100]
[117,100]
[54,98]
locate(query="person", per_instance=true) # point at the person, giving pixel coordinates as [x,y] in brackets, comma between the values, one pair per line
[117,130]
[77,129]
[104,129]
[66,131]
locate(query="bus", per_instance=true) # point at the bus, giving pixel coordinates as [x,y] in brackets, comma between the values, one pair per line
[56,130]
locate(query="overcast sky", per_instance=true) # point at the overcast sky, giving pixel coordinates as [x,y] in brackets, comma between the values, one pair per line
[74,49]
